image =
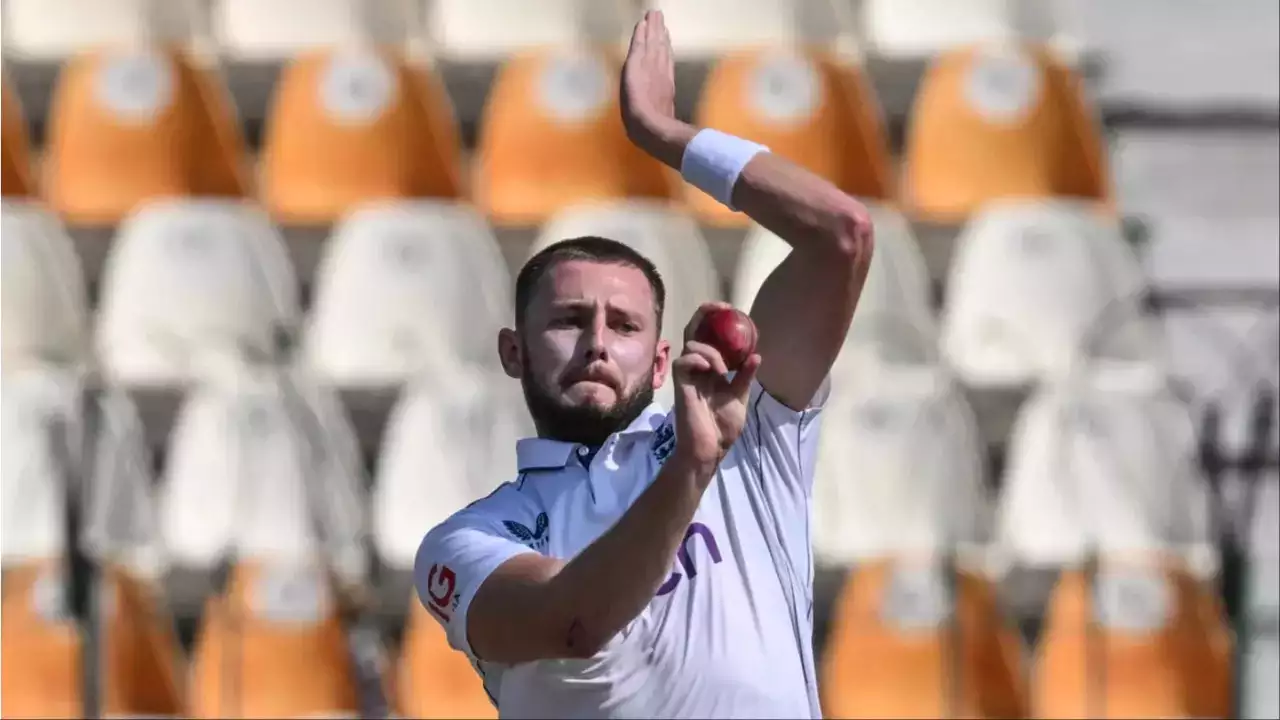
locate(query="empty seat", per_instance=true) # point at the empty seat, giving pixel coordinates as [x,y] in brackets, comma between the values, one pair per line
[552,136]
[656,229]
[44,311]
[1036,289]
[248,30]
[705,30]
[810,108]
[16,162]
[918,639]
[52,30]
[131,125]
[998,121]
[404,286]
[432,679]
[352,125]
[900,469]
[465,30]
[894,321]
[44,431]
[924,28]
[450,441]
[245,446]
[1105,466]
[192,281]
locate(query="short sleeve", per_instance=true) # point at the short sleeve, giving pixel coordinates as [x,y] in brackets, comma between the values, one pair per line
[783,440]
[453,561]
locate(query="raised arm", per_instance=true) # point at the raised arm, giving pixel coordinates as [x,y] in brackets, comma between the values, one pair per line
[804,308]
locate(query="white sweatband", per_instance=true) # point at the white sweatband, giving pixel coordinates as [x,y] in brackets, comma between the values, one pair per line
[713,161]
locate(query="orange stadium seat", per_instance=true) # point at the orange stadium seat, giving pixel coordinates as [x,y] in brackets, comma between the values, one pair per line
[42,648]
[127,126]
[901,647]
[350,126]
[272,646]
[16,180]
[552,137]
[433,680]
[999,121]
[1148,641]
[812,109]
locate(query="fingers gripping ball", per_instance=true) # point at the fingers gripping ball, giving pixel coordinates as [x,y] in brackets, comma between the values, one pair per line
[730,331]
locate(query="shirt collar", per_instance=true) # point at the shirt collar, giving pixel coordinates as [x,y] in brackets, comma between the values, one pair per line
[537,453]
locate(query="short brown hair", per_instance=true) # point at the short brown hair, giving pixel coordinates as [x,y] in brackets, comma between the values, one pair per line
[593,249]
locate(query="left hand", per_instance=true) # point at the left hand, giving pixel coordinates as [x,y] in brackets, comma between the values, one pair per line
[648,87]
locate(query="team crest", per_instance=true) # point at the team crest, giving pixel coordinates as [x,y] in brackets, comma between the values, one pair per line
[536,538]
[664,441]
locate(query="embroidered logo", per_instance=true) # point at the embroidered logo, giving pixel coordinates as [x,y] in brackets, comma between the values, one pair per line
[441,582]
[536,538]
[664,441]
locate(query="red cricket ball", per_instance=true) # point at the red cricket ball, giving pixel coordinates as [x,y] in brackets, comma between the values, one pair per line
[730,331]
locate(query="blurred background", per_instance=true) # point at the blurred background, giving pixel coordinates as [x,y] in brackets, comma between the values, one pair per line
[256,252]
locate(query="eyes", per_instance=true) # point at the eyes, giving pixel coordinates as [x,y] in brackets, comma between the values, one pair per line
[584,318]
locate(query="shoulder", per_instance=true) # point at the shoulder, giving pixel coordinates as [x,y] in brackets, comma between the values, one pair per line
[487,513]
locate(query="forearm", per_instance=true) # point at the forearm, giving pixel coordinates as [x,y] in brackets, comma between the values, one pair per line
[610,582]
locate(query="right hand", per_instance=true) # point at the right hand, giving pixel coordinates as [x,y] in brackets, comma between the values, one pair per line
[710,409]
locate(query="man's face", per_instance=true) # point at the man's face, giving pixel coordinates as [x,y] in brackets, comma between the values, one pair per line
[589,355]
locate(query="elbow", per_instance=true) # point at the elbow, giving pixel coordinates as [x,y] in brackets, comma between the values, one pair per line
[580,643]
[853,238]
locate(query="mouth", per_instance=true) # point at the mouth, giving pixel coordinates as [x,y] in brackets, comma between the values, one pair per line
[592,378]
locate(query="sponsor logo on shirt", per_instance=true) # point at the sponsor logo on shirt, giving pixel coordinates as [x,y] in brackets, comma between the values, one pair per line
[685,557]
[441,598]
[664,441]
[536,538]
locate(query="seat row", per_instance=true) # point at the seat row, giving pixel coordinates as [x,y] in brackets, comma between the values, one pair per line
[352,124]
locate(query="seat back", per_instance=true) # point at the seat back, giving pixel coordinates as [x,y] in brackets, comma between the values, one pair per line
[432,679]
[253,31]
[352,125]
[714,28]
[132,125]
[15,153]
[54,30]
[910,641]
[44,307]
[809,107]
[1000,121]
[464,30]
[558,109]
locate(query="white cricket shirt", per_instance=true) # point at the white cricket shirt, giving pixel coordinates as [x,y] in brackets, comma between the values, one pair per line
[729,634]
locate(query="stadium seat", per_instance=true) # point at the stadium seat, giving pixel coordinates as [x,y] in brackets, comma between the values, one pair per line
[919,487]
[190,281]
[909,639]
[402,285]
[894,322]
[450,441]
[45,318]
[999,121]
[248,30]
[349,126]
[16,180]
[244,447]
[709,29]
[1105,466]
[465,30]
[924,28]
[810,108]
[54,30]
[557,110]
[41,648]
[1037,288]
[433,680]
[128,126]
[659,231]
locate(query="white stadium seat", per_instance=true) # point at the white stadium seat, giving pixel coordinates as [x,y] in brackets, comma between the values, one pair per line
[402,286]
[709,28]
[120,523]
[923,28]
[894,321]
[55,29]
[449,442]
[189,280]
[1105,461]
[244,445]
[45,318]
[250,30]
[1036,288]
[491,30]
[900,471]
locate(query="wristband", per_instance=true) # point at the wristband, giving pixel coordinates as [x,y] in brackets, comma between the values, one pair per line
[713,161]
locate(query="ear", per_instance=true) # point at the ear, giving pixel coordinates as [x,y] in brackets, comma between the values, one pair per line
[510,354]
[661,363]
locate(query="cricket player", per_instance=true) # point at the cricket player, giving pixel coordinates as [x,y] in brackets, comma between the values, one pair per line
[647,563]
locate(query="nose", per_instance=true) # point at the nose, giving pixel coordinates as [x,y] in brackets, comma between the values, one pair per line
[593,340]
